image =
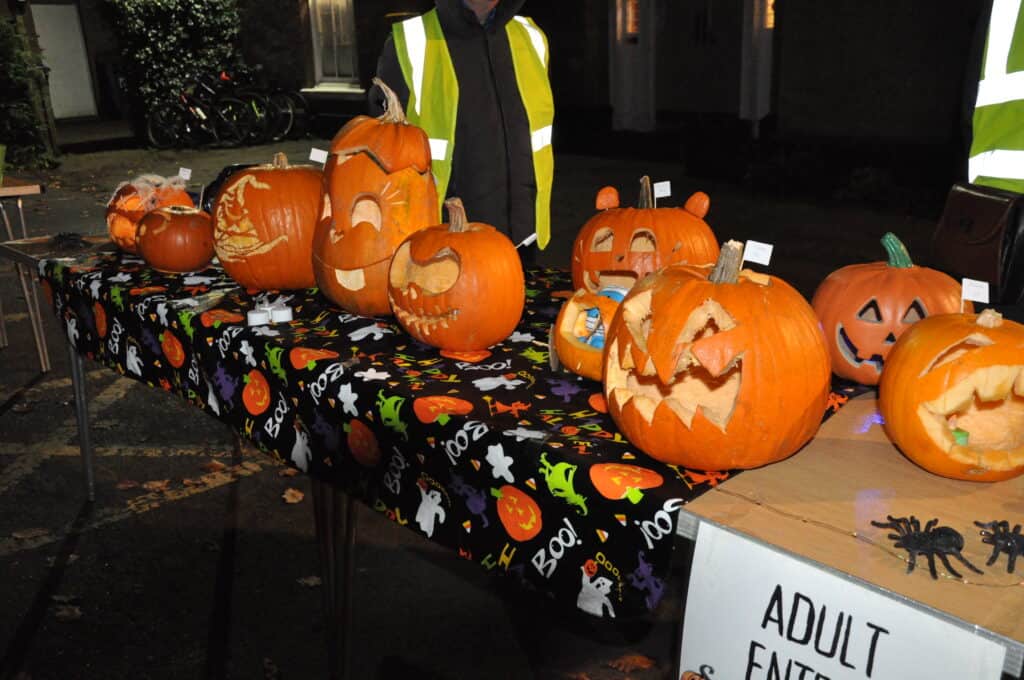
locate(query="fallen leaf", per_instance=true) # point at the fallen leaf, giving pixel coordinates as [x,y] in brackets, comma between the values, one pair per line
[127,484]
[35,532]
[22,407]
[157,485]
[64,599]
[188,481]
[251,466]
[213,466]
[631,662]
[67,612]
[218,478]
[287,472]
[309,581]
[292,496]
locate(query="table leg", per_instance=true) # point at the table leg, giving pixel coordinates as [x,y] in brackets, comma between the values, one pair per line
[82,416]
[335,520]
[28,289]
[3,327]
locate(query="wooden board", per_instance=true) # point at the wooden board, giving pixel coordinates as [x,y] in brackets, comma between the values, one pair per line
[12,187]
[819,504]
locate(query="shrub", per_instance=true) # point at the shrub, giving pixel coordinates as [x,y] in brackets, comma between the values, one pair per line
[22,126]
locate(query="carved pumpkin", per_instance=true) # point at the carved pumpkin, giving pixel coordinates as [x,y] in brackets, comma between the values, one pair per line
[864,308]
[256,393]
[264,218]
[134,199]
[176,239]
[580,328]
[619,246]
[952,396]
[458,286]
[519,514]
[716,372]
[379,190]
[620,480]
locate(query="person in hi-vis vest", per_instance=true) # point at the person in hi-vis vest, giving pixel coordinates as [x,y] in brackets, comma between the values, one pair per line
[996,158]
[474,75]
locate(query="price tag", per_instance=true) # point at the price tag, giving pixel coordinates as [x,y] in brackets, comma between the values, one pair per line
[185,173]
[974,290]
[755,251]
[754,613]
[317,155]
[662,189]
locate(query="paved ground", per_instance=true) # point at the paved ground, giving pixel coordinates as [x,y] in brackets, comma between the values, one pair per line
[184,569]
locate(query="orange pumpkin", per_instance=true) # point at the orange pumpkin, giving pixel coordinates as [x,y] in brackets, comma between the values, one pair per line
[264,218]
[716,372]
[256,393]
[620,480]
[619,246]
[216,317]
[519,514]
[132,200]
[952,396]
[438,408]
[176,239]
[363,443]
[172,349]
[305,357]
[379,190]
[580,328]
[100,315]
[458,286]
[864,308]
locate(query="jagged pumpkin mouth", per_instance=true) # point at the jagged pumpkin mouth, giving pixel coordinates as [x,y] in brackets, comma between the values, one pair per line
[598,280]
[415,289]
[851,353]
[690,386]
[980,420]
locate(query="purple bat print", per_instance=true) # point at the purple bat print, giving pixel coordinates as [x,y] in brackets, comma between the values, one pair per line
[150,342]
[563,388]
[225,383]
[643,579]
[476,499]
[328,433]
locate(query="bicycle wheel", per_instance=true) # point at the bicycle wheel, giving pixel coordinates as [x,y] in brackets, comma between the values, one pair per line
[282,118]
[262,114]
[165,127]
[300,125]
[233,120]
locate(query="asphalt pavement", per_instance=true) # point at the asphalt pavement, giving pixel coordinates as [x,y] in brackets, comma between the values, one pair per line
[190,564]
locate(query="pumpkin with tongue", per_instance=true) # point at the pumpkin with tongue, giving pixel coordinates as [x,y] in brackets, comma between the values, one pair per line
[379,190]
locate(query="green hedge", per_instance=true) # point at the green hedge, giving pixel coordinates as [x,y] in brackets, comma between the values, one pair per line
[21,127]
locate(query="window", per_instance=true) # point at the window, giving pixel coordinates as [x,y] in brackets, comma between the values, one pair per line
[334,40]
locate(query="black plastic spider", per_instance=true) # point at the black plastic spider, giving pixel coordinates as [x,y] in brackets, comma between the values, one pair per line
[1002,540]
[930,541]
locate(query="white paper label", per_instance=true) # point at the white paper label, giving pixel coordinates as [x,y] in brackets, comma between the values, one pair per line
[974,290]
[755,251]
[317,155]
[662,189]
[753,614]
[185,173]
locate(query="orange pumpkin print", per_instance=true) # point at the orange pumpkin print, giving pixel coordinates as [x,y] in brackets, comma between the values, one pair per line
[256,394]
[100,315]
[363,443]
[437,408]
[215,317]
[172,348]
[519,514]
[619,480]
[304,357]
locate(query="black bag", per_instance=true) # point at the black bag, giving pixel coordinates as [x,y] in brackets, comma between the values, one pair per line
[981,236]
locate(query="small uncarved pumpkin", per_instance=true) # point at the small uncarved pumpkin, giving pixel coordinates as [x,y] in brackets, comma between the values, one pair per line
[457,286]
[176,239]
[132,200]
[619,246]
[864,308]
[714,372]
[264,218]
[952,396]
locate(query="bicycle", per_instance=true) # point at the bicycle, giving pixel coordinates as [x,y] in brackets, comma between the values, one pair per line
[200,116]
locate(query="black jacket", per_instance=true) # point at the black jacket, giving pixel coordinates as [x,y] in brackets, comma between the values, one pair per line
[492,163]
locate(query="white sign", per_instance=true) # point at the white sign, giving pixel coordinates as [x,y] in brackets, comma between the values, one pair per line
[662,189]
[974,290]
[317,155]
[185,173]
[753,614]
[755,251]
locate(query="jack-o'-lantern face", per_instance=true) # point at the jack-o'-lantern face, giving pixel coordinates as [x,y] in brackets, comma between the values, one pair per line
[519,514]
[619,246]
[379,190]
[457,286]
[715,376]
[952,396]
[865,308]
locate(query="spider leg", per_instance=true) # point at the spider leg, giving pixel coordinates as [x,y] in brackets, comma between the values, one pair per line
[993,557]
[949,567]
[930,525]
[1011,561]
[931,564]
[911,561]
[959,555]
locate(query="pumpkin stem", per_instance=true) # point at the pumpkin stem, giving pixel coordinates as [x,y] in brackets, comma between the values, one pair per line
[393,111]
[727,268]
[280,160]
[989,318]
[899,256]
[646,199]
[456,214]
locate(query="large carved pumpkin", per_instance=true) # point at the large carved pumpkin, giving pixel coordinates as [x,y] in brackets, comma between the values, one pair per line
[176,239]
[952,396]
[132,200]
[864,308]
[716,372]
[264,218]
[458,286]
[379,190]
[619,246]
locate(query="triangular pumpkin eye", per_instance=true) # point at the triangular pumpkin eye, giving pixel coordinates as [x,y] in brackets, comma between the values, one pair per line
[870,313]
[603,240]
[915,312]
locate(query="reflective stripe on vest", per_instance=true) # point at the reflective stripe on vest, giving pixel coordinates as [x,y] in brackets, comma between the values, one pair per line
[997,148]
[434,95]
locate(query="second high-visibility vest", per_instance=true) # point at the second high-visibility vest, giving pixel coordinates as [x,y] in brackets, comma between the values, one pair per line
[434,98]
[997,147]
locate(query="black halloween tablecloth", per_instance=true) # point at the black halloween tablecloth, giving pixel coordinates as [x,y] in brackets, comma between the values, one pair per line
[508,463]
